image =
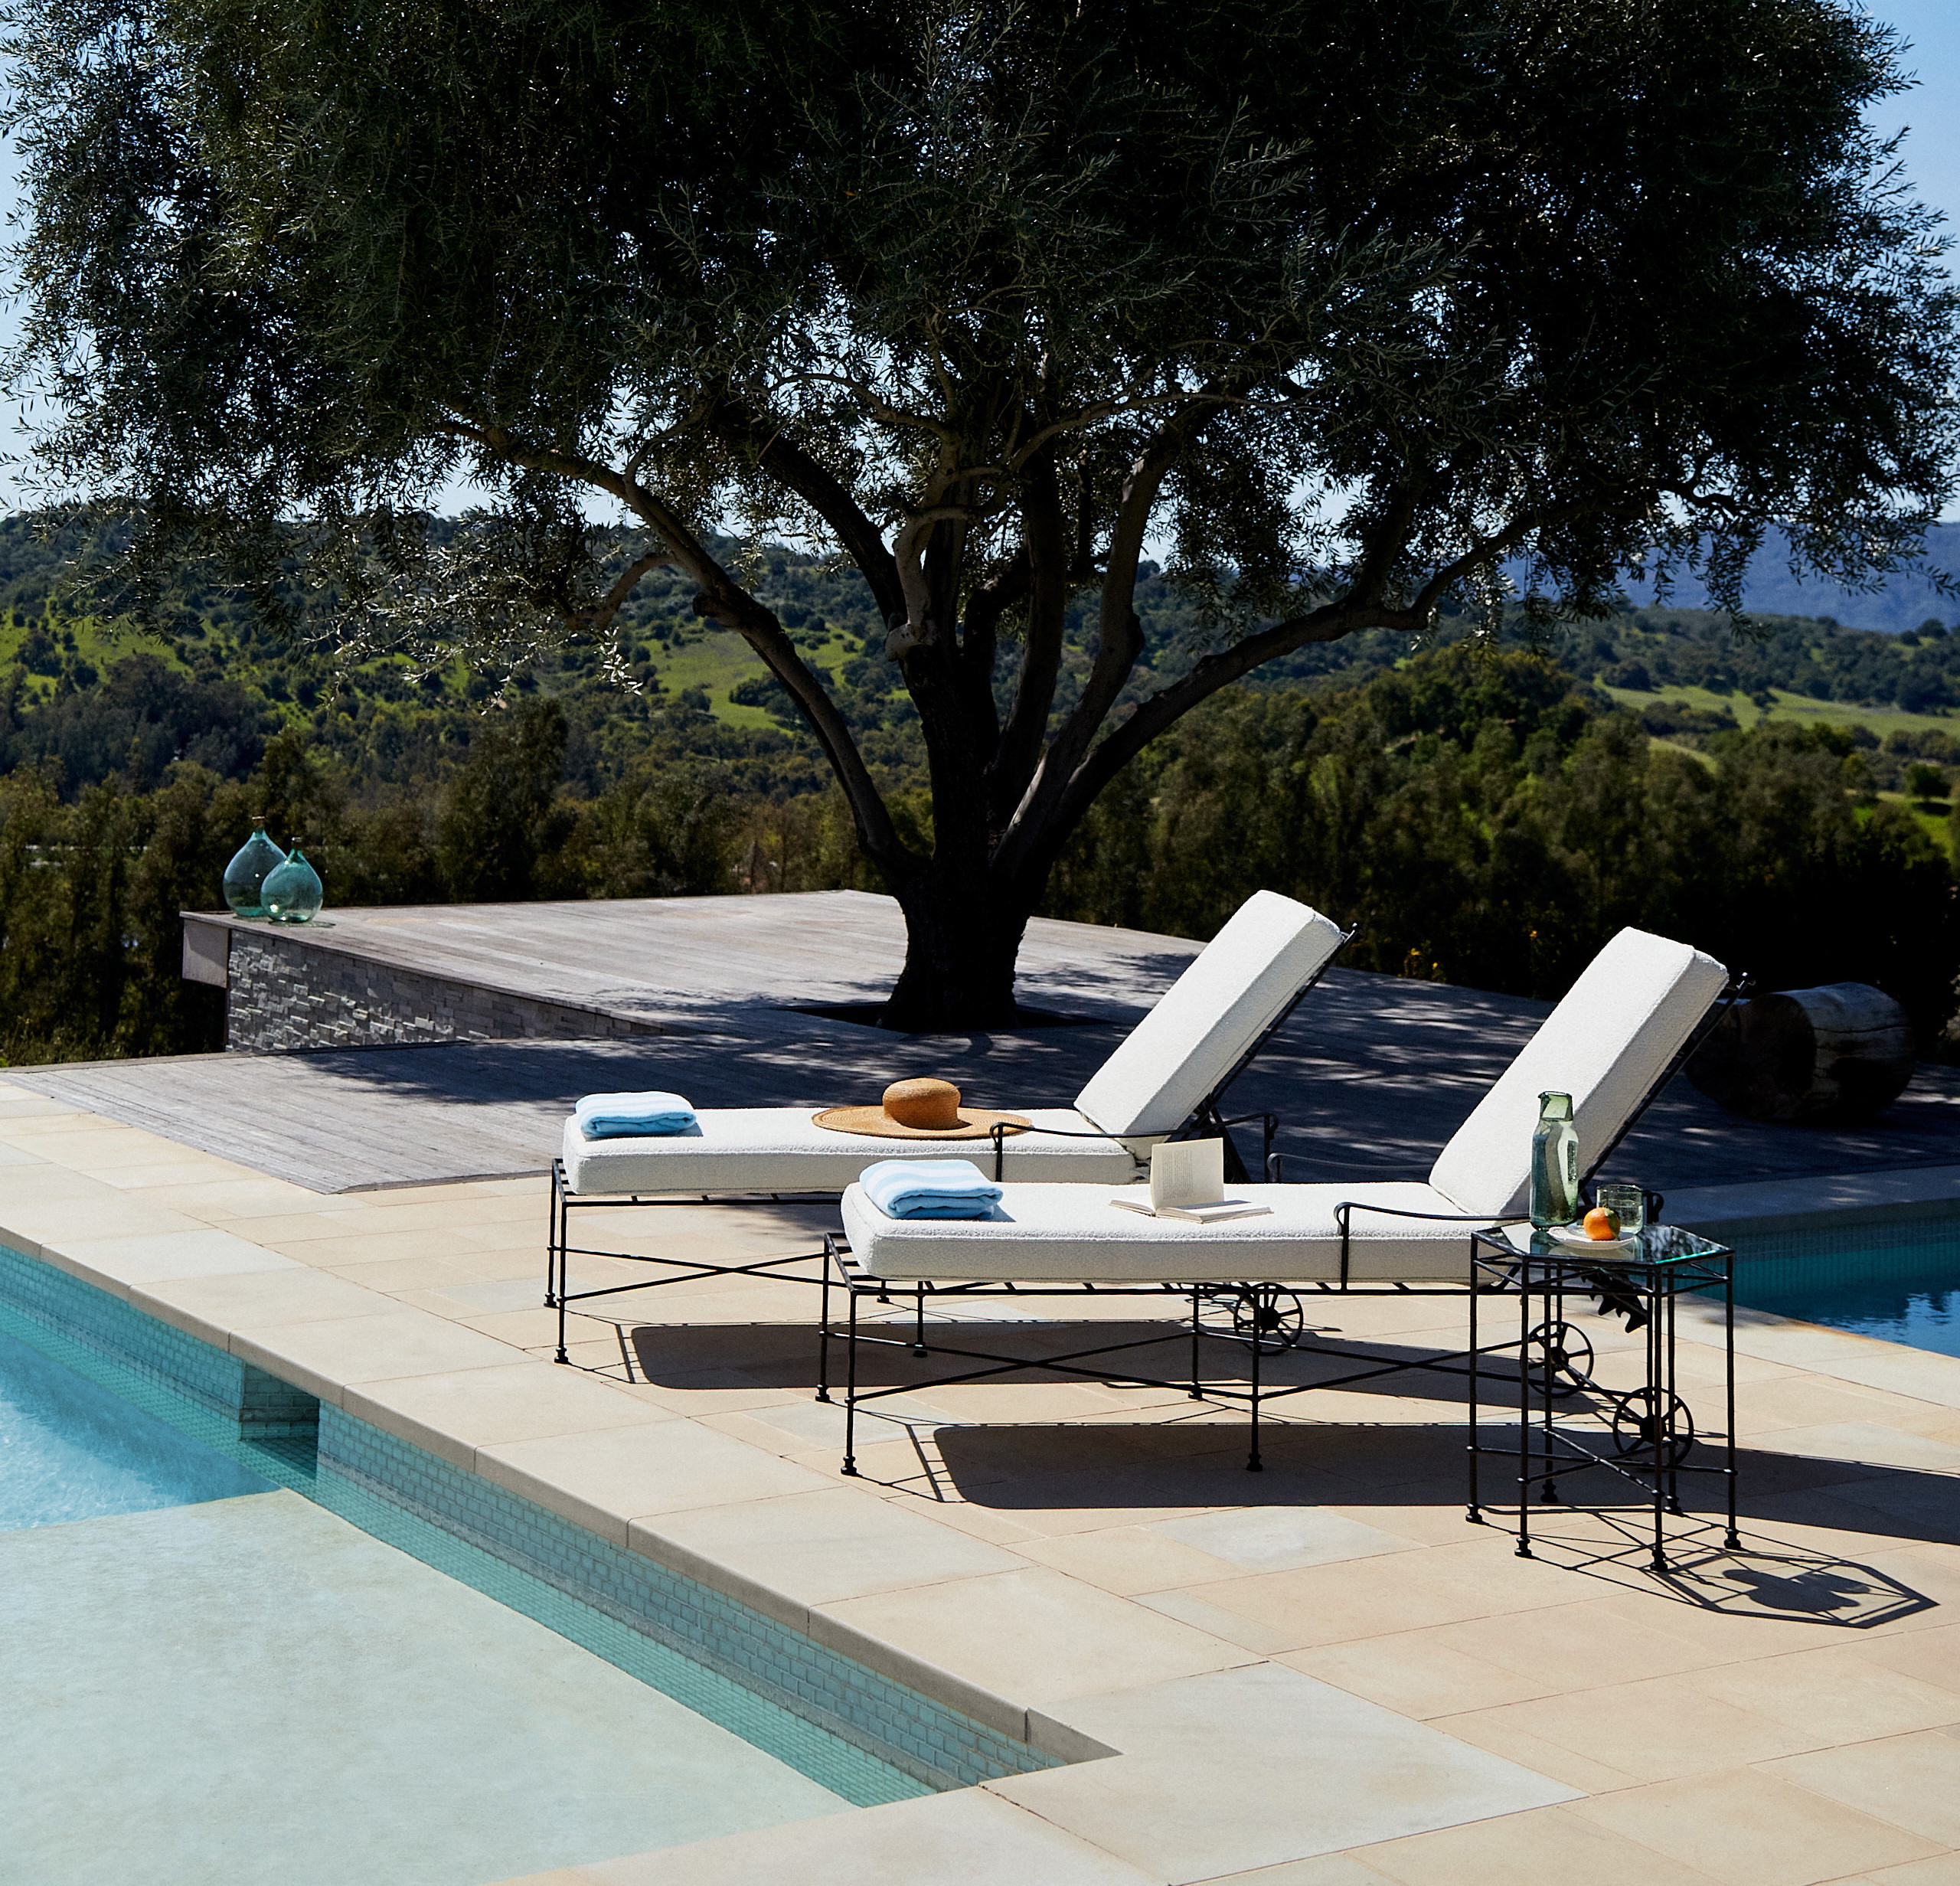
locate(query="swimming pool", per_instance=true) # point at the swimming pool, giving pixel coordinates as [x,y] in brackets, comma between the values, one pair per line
[1900,1282]
[70,1450]
[282,1658]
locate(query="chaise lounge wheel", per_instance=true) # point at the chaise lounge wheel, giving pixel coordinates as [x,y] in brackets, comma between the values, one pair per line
[1649,1417]
[1262,1313]
[1559,1357]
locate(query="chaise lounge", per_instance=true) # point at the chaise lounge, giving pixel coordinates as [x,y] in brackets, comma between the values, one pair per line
[1611,1043]
[1176,1062]
[1167,1078]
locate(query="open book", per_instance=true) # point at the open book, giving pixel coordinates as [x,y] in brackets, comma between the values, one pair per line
[1188,1180]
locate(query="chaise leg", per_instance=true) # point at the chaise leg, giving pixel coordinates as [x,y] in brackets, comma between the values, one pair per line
[851,1392]
[1253,1463]
[823,1321]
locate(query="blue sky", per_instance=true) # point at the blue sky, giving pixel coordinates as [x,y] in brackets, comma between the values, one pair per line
[1929,114]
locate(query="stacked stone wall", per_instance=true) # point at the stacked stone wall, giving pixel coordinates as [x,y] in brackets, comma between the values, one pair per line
[286,994]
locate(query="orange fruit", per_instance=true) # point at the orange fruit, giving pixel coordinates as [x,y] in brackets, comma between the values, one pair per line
[1601,1223]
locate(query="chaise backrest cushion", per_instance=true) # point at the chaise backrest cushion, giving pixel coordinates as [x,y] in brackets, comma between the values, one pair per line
[1629,1014]
[1204,1023]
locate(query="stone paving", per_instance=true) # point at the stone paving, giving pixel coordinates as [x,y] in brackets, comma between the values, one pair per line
[1322,1677]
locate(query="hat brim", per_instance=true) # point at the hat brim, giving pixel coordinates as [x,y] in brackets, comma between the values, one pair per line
[976,1122]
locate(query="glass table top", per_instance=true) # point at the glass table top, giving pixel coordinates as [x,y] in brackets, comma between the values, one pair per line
[1657,1244]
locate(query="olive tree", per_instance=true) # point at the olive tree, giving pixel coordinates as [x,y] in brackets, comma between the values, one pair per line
[1346,308]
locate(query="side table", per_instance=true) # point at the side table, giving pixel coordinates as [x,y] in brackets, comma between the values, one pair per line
[1568,1421]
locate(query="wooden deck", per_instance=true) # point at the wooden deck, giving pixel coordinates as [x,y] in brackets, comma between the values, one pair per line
[1371,1077]
[705,960]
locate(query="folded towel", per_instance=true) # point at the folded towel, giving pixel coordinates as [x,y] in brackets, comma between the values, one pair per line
[634,1115]
[930,1188]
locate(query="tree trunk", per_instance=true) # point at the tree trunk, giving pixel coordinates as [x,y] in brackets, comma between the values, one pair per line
[1836,1055]
[961,941]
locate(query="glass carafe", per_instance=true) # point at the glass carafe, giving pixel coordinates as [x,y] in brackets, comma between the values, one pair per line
[293,892]
[1554,1163]
[246,875]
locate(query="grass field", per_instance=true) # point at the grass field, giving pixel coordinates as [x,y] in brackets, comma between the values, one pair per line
[1797,707]
[721,660]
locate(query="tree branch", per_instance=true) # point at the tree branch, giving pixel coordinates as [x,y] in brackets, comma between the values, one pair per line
[724,599]
[779,455]
[1121,640]
[1046,552]
[597,620]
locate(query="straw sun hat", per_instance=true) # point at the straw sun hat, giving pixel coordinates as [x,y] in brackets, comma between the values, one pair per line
[918,1110]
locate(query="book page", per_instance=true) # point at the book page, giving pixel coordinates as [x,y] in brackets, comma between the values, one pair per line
[1186,1172]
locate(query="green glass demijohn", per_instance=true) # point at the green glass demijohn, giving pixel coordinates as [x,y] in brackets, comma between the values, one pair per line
[245,876]
[293,892]
[1554,1163]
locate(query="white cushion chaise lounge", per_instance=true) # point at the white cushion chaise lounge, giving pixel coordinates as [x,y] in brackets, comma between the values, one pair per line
[1609,1044]
[1180,1056]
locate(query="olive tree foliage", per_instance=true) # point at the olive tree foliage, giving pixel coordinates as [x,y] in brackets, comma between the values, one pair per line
[1351,303]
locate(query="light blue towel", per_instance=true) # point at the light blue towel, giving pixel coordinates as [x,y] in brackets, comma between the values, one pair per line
[634,1115]
[930,1188]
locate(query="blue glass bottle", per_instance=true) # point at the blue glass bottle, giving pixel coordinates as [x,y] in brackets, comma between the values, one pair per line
[245,876]
[293,892]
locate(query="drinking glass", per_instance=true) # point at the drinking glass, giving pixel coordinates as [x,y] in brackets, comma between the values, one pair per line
[1627,1204]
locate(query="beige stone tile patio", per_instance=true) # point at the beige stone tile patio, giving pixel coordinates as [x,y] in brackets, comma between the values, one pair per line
[1913,1781]
[116,1264]
[818,1548]
[1943,1870]
[288,1229]
[1841,1694]
[212,1308]
[1127,1560]
[1281,1538]
[1749,1827]
[1324,1869]
[402,1276]
[1034,1635]
[1657,1730]
[969,1839]
[92,1216]
[1088,1550]
[1867,1443]
[1187,1607]
[1548,1843]
[1419,1673]
[1372,1597]
[325,1358]
[1580,1645]
[1928,1656]
[455,1413]
[1585,1774]
[1286,1767]
[201,1172]
[604,1480]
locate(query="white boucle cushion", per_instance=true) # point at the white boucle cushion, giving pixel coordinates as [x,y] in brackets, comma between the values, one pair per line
[1236,987]
[1606,1044]
[1073,1234]
[777,1148]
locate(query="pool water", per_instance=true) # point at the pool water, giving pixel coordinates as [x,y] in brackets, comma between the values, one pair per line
[1899,1283]
[219,1663]
[70,1450]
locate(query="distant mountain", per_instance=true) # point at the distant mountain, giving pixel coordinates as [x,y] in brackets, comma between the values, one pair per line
[1904,603]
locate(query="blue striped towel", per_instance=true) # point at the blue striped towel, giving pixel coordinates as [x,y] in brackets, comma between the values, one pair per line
[634,1115]
[930,1188]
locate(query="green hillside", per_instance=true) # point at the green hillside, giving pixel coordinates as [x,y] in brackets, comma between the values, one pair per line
[1778,795]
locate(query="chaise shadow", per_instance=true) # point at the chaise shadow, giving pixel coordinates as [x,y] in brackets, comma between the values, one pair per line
[1193,1453]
